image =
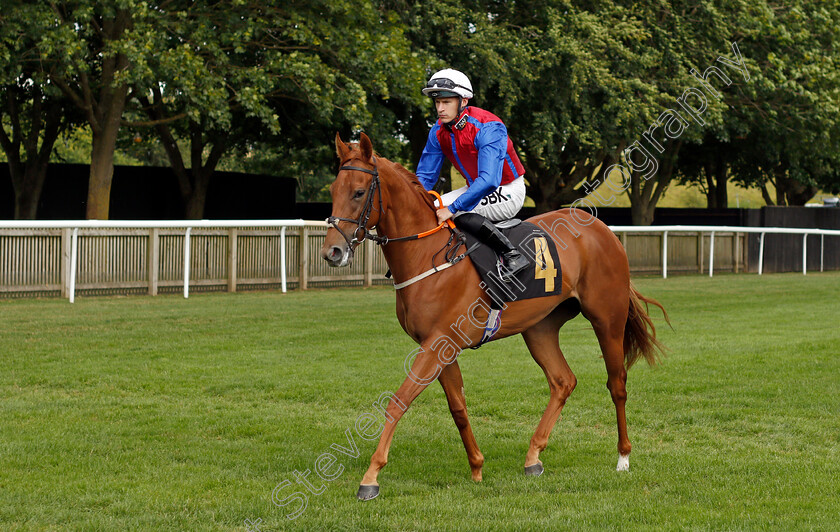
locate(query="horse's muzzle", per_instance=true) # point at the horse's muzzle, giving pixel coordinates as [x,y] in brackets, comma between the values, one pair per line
[337,256]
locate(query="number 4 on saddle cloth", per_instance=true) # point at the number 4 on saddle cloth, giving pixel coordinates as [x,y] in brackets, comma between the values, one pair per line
[542,279]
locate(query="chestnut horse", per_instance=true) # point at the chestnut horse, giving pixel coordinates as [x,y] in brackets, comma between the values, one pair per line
[371,191]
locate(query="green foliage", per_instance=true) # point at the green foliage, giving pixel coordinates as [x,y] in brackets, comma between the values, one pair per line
[260,74]
[576,82]
[781,127]
[322,67]
[74,146]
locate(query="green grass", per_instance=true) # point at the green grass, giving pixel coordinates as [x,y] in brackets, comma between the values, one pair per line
[169,414]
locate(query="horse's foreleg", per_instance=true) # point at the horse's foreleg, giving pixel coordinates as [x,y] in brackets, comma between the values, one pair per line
[425,369]
[453,386]
[543,344]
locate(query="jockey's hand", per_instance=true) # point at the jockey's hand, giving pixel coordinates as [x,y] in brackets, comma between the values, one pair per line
[443,215]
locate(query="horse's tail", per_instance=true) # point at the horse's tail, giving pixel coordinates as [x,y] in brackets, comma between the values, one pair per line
[640,333]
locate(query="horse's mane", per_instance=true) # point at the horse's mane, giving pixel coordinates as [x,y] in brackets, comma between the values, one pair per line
[404,173]
[413,181]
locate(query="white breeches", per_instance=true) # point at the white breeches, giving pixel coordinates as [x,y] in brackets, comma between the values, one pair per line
[501,204]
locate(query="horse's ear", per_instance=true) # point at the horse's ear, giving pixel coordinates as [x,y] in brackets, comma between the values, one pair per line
[366,147]
[341,149]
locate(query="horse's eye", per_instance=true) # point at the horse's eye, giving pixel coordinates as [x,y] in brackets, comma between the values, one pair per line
[359,193]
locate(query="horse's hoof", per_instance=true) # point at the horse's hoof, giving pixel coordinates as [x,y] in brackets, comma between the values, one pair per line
[623,462]
[534,470]
[367,493]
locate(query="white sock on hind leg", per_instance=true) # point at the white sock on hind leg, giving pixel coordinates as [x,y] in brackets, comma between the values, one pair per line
[623,462]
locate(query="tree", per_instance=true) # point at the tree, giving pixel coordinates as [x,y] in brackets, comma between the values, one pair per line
[281,79]
[32,116]
[372,84]
[781,127]
[85,49]
[212,84]
[92,76]
[576,83]
[35,122]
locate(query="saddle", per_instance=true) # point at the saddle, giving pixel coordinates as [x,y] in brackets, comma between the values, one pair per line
[544,279]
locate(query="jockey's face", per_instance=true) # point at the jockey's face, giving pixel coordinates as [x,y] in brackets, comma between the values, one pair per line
[447,108]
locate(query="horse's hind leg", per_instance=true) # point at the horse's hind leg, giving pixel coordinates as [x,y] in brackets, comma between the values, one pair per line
[610,333]
[453,386]
[542,342]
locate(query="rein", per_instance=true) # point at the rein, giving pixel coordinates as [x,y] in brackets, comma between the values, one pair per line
[362,232]
[363,219]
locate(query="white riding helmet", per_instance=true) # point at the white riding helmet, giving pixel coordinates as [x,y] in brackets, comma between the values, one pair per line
[448,83]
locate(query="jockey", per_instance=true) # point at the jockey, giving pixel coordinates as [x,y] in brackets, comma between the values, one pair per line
[476,143]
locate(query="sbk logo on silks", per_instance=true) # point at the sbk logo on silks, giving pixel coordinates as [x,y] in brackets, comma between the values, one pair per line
[494,197]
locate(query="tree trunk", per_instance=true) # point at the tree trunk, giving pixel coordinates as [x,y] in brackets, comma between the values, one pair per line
[721,177]
[579,173]
[641,212]
[711,189]
[28,194]
[196,201]
[101,175]
[104,142]
[550,191]
[778,182]
[28,175]
[542,205]
[716,178]
[793,192]
[646,193]
[102,99]
[418,134]
[765,194]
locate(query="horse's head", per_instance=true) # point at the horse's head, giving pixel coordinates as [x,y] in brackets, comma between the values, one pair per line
[356,201]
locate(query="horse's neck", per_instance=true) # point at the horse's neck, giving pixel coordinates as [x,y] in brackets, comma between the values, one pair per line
[408,214]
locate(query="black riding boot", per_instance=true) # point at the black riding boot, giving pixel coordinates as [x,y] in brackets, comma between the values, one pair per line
[483,229]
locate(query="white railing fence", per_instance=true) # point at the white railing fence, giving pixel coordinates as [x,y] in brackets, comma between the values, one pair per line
[129,256]
[664,230]
[46,255]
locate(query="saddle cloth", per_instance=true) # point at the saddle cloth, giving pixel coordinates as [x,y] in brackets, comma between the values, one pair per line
[542,279]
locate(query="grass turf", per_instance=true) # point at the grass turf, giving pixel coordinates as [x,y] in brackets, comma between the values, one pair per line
[169,414]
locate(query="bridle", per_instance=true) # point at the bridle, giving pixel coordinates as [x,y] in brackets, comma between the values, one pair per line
[362,232]
[362,221]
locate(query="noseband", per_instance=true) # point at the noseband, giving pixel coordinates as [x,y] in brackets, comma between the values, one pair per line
[361,232]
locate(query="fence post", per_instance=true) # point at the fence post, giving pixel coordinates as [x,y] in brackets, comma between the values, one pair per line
[303,274]
[701,251]
[232,258]
[735,244]
[664,254]
[822,250]
[283,259]
[761,254]
[64,266]
[74,249]
[712,254]
[805,254]
[187,263]
[369,250]
[153,259]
